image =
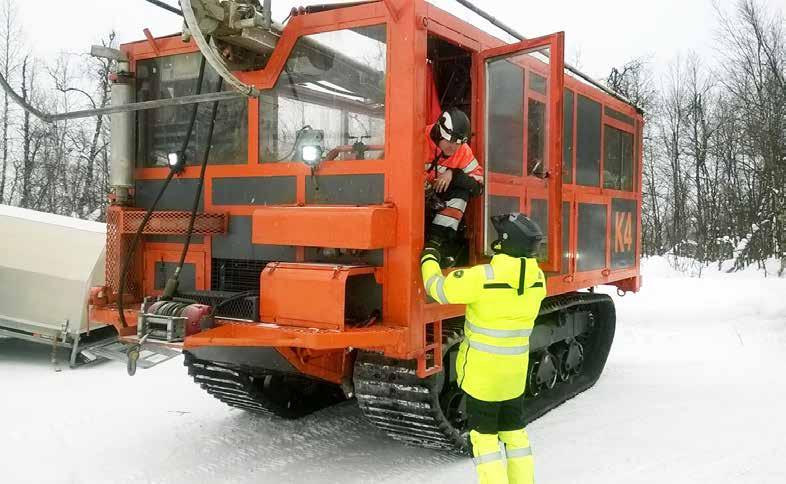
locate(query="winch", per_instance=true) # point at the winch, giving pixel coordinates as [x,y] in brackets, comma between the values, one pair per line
[172,321]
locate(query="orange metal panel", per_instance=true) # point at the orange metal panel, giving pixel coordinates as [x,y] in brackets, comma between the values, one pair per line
[363,228]
[306,295]
[108,315]
[406,119]
[615,123]
[388,338]
[332,365]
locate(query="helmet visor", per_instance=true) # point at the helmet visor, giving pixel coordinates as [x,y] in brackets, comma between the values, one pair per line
[451,135]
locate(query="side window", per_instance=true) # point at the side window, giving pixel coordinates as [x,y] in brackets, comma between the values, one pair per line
[162,131]
[329,101]
[588,133]
[536,137]
[618,159]
[505,122]
[536,123]
[567,141]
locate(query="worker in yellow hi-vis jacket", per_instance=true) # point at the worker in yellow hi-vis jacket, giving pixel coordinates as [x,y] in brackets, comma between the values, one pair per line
[503,299]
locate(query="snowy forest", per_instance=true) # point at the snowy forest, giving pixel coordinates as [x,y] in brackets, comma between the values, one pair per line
[715,144]
[62,167]
[714,152]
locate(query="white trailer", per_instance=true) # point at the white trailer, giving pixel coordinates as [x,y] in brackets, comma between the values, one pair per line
[48,263]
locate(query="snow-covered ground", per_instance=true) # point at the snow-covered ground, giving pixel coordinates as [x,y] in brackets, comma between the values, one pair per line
[693,392]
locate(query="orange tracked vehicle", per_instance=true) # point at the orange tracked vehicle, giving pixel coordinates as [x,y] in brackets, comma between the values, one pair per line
[292,282]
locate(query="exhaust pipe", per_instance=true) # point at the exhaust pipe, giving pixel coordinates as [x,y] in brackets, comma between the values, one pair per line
[121,172]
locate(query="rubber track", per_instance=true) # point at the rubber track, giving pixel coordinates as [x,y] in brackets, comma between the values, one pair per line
[233,387]
[407,408]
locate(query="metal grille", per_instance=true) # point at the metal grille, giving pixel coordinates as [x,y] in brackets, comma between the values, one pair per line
[117,245]
[245,308]
[174,223]
[123,222]
[236,275]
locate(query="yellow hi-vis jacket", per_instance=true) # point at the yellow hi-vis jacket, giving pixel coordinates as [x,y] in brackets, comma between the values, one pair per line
[501,311]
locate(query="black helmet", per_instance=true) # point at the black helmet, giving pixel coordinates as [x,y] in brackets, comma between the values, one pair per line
[519,236]
[453,125]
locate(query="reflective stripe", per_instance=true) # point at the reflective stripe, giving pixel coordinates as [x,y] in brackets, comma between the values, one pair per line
[442,169]
[457,203]
[498,350]
[445,221]
[514,453]
[500,333]
[431,281]
[486,458]
[489,271]
[441,291]
[472,165]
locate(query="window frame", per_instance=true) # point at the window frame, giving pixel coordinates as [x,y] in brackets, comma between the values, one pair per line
[286,56]
[551,185]
[142,160]
[635,143]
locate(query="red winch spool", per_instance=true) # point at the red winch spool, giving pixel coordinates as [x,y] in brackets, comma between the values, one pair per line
[194,313]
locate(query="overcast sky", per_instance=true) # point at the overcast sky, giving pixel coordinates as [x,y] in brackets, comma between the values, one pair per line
[603,33]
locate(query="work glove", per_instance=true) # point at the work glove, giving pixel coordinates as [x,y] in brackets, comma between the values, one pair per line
[433,202]
[430,253]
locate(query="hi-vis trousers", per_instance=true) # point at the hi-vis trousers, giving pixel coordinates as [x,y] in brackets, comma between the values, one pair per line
[491,423]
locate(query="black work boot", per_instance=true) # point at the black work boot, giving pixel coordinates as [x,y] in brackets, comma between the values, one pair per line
[437,240]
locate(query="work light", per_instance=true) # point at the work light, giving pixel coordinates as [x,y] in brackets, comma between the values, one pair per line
[311,154]
[309,145]
[177,161]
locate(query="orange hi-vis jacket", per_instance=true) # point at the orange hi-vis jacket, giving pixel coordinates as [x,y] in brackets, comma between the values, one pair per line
[463,159]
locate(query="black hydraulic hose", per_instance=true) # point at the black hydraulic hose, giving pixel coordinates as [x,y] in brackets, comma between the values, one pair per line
[174,281]
[127,260]
[138,234]
[231,299]
[235,297]
[166,6]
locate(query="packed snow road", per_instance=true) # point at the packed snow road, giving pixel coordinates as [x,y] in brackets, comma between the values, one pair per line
[693,393]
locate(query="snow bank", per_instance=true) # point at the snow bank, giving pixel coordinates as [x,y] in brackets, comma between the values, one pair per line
[692,393]
[714,296]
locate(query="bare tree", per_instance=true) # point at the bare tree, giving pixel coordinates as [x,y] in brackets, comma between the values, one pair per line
[715,146]
[670,130]
[754,76]
[10,46]
[700,126]
[27,160]
[634,81]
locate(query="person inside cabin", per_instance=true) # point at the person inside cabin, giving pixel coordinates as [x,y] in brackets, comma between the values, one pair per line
[453,176]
